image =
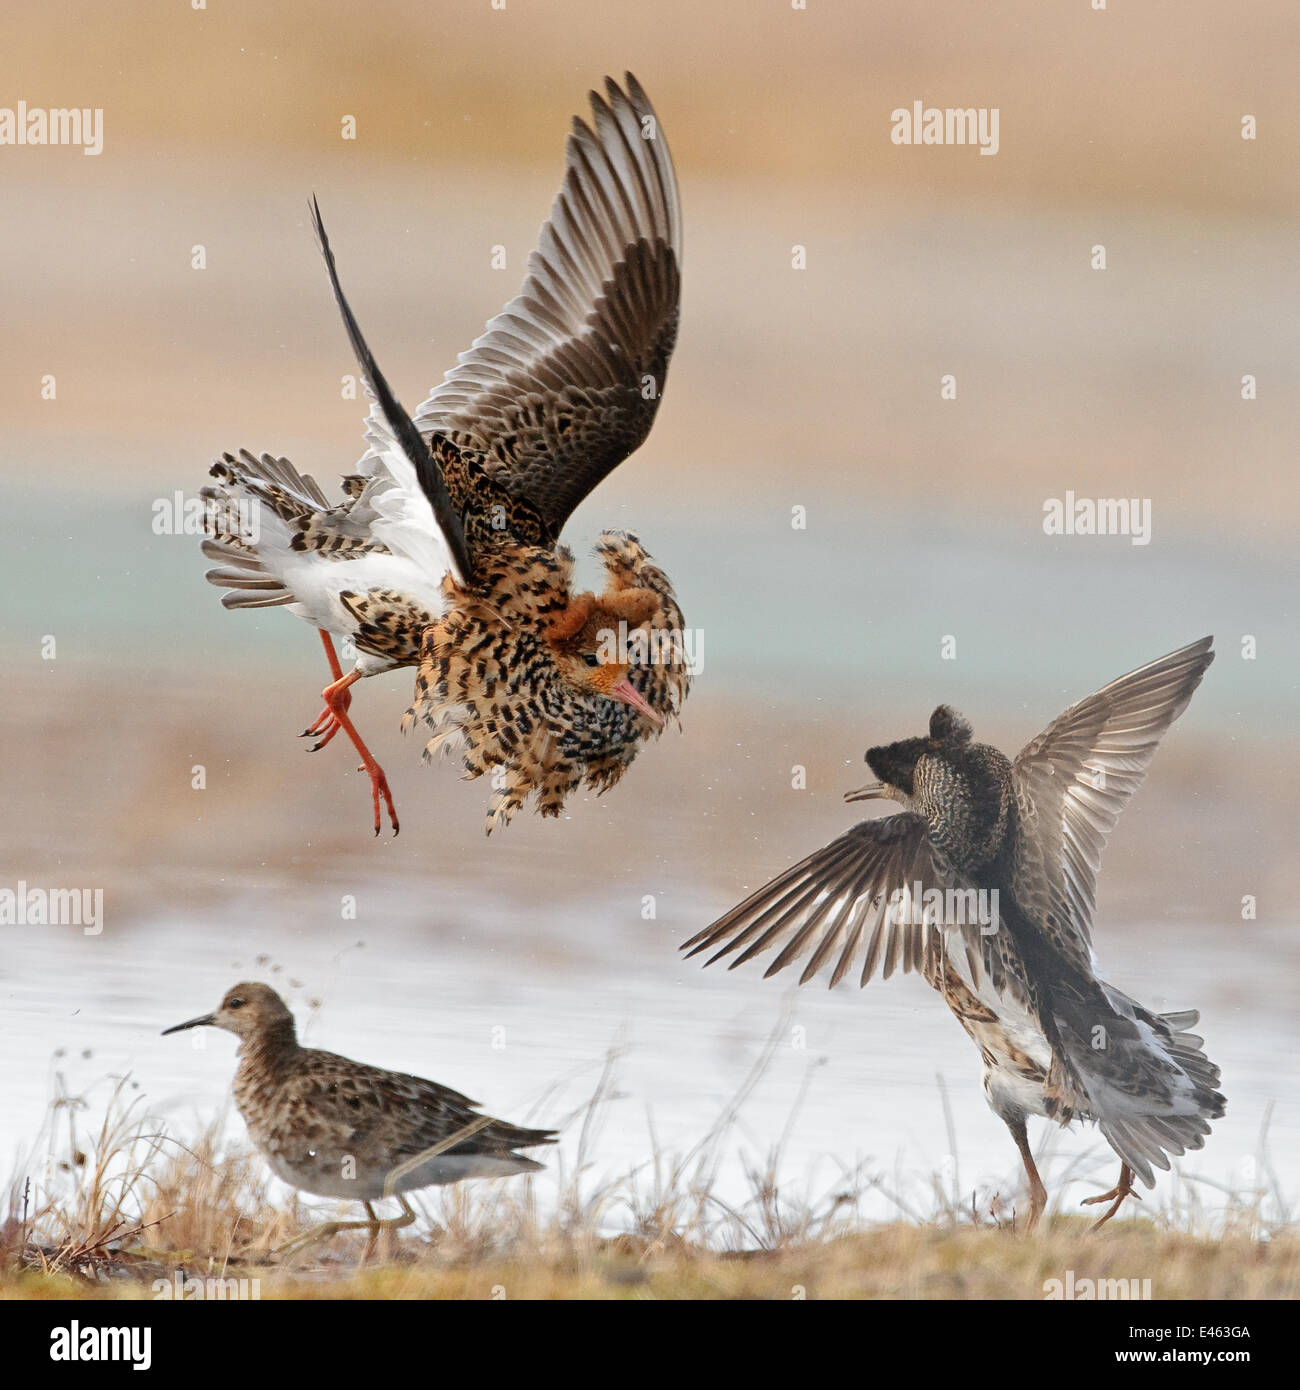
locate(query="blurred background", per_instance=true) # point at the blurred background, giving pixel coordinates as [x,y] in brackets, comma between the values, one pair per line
[508,968]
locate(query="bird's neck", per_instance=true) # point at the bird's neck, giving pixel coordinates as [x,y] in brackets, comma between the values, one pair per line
[968,811]
[269,1050]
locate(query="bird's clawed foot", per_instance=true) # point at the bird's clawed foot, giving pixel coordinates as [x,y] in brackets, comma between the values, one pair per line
[378,788]
[326,723]
[373,1224]
[385,1227]
[1123,1188]
[338,700]
[313,1237]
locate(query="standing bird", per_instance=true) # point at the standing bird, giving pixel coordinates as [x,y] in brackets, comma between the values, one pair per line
[444,552]
[1056,1038]
[339,1128]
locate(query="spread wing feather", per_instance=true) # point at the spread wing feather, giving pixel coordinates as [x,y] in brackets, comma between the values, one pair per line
[1075,778]
[564,383]
[855,899]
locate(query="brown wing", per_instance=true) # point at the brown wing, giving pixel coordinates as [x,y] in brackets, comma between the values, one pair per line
[564,383]
[352,1101]
[449,1112]
[856,897]
[1076,777]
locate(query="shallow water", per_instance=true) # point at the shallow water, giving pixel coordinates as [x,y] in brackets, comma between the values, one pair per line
[519,1006]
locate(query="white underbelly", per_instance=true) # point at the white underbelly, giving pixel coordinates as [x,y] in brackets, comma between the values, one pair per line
[316,585]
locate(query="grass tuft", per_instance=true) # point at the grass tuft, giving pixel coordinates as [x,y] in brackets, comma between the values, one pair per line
[119,1206]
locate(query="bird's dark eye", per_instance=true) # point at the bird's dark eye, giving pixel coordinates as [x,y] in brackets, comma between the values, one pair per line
[234,1003]
[591,658]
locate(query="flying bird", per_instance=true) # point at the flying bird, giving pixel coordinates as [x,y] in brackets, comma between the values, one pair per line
[338,1128]
[444,552]
[1056,1038]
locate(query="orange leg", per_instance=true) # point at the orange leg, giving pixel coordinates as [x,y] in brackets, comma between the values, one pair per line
[325,723]
[330,654]
[338,698]
[1037,1192]
[1123,1188]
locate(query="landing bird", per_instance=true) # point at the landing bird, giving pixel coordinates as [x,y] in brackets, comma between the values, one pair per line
[339,1128]
[444,552]
[1056,1038]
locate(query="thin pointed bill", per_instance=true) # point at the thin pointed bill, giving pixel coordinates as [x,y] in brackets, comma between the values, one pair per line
[193,1023]
[872,792]
[630,695]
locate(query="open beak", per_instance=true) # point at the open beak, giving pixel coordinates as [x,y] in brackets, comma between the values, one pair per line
[630,695]
[193,1023]
[872,792]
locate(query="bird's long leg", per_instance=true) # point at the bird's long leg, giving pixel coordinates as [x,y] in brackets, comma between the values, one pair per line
[1123,1188]
[338,699]
[314,1236]
[330,654]
[380,1224]
[385,1224]
[326,1229]
[325,723]
[1037,1192]
[395,1223]
[333,697]
[373,1242]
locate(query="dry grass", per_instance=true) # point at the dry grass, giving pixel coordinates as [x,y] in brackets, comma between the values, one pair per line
[107,1208]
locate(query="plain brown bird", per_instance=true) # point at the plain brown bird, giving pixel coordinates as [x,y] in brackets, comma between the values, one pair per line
[339,1128]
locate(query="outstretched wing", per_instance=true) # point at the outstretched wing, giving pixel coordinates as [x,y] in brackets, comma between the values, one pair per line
[564,383]
[1076,777]
[390,433]
[857,897]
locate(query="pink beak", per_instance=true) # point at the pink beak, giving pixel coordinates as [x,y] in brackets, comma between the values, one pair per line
[630,695]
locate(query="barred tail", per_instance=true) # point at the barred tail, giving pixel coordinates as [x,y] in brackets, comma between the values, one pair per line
[250,514]
[1149,1085]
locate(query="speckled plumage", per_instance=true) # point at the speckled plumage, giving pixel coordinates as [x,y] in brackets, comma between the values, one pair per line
[561,386]
[1055,1037]
[489,685]
[338,1128]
